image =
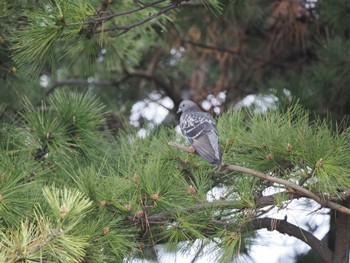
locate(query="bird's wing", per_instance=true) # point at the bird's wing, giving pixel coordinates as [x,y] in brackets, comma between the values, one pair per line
[194,125]
[200,129]
[208,147]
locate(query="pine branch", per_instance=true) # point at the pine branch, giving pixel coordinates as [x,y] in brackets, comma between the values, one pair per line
[161,218]
[94,22]
[284,227]
[234,53]
[148,74]
[300,190]
[180,147]
[271,224]
[126,28]
[110,16]
[85,82]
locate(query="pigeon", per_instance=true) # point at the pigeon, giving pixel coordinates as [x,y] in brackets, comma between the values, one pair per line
[200,129]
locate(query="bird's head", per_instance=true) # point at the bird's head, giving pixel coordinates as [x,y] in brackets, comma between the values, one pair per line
[185,105]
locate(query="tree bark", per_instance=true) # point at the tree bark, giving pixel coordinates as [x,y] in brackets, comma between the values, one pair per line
[342,235]
[284,227]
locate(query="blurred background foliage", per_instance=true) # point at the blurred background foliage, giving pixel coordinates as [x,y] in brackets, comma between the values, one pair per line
[124,51]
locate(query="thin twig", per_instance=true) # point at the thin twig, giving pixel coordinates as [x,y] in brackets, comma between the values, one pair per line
[141,7]
[304,192]
[238,54]
[161,217]
[180,147]
[126,28]
[85,82]
[110,16]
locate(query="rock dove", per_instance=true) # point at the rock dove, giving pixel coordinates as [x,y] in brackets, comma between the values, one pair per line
[200,129]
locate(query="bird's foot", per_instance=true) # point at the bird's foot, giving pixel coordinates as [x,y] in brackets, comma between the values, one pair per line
[191,149]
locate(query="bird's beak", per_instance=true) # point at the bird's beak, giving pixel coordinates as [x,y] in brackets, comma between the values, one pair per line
[179,110]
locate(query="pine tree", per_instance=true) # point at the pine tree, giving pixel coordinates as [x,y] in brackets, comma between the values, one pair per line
[72,193]
[121,51]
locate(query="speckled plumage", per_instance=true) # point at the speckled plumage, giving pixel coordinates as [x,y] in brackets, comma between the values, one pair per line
[200,129]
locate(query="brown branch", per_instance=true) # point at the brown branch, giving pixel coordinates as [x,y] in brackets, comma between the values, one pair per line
[300,190]
[85,82]
[146,74]
[126,28]
[180,147]
[342,236]
[149,74]
[99,18]
[110,16]
[214,48]
[168,215]
[233,52]
[285,227]
[270,224]
[219,204]
[141,7]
